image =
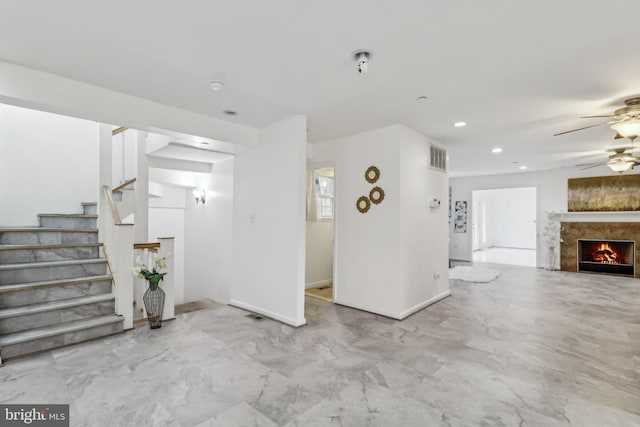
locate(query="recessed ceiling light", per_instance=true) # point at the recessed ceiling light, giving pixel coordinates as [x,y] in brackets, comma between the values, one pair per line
[230,112]
[459,124]
[523,167]
[497,150]
[216,85]
[421,98]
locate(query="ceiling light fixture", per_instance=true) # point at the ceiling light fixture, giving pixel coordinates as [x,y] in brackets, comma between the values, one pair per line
[459,124]
[362,56]
[216,85]
[497,150]
[523,167]
[628,128]
[421,98]
[621,166]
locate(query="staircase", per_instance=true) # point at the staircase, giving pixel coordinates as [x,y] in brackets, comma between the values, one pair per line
[55,289]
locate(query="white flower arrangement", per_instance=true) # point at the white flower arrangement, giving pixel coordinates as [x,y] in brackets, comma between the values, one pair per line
[151,274]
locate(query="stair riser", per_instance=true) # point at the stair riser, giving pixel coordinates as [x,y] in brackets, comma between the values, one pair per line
[90,209]
[39,274]
[54,293]
[15,350]
[68,222]
[37,237]
[18,256]
[53,317]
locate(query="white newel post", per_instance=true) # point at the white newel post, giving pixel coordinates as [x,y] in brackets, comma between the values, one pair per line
[142,189]
[168,284]
[121,257]
[105,168]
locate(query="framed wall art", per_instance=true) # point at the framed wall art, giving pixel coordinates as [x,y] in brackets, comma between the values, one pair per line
[460,217]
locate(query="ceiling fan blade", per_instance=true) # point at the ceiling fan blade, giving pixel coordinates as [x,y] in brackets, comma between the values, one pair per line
[594,117]
[588,164]
[593,166]
[586,127]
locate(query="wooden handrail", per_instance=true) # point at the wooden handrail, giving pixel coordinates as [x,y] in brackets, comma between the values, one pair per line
[152,247]
[114,209]
[123,185]
[118,130]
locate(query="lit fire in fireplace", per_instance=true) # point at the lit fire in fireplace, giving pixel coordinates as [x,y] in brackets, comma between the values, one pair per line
[606,254]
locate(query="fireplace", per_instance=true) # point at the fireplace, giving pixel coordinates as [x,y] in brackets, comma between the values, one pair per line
[607,256]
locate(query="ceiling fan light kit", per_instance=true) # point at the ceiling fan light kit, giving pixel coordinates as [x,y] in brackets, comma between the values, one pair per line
[621,166]
[625,121]
[628,128]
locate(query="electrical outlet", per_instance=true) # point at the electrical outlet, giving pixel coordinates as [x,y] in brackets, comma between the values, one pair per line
[436,276]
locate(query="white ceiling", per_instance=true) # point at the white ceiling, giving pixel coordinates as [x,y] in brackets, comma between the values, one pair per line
[516,72]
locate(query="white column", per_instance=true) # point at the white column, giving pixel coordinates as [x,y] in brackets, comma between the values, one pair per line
[121,259]
[168,284]
[142,190]
[105,168]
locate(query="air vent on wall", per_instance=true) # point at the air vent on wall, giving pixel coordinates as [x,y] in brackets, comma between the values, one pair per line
[438,158]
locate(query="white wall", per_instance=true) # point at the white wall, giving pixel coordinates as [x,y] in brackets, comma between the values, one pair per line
[552,196]
[387,258]
[319,253]
[208,237]
[125,157]
[166,219]
[269,223]
[425,264]
[48,164]
[510,216]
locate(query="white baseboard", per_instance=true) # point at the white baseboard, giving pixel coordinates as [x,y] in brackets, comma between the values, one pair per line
[424,304]
[266,313]
[318,284]
[404,314]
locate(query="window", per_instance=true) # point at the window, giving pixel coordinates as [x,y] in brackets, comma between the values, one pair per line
[324,192]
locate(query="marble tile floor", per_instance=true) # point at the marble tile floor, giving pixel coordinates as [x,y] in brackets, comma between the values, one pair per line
[531,348]
[511,256]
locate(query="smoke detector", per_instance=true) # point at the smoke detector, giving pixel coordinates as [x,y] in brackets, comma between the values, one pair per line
[362,57]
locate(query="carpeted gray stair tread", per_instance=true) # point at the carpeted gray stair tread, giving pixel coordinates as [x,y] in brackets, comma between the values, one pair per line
[68,215]
[52,263]
[62,246]
[55,230]
[54,305]
[52,283]
[60,328]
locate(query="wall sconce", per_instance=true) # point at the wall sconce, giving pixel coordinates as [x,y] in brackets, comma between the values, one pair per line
[200,195]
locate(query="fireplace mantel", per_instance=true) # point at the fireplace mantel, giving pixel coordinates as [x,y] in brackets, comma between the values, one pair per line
[629,216]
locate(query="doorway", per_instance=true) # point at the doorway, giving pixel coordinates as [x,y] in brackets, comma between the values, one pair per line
[320,233]
[504,226]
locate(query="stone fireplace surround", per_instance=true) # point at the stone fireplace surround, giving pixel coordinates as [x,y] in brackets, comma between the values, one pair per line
[597,226]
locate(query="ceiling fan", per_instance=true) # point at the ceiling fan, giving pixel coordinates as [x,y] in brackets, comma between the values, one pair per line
[620,161]
[625,121]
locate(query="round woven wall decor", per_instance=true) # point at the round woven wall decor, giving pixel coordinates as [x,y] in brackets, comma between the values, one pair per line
[372,174]
[376,195]
[363,204]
